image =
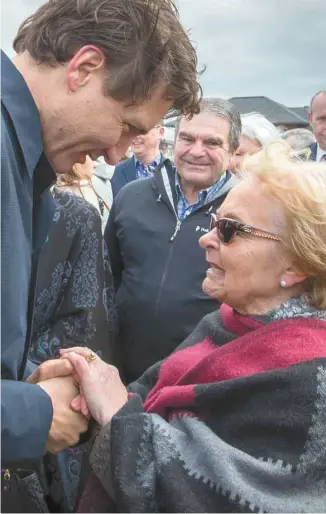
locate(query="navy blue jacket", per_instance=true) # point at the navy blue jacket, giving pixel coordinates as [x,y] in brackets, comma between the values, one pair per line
[158,281]
[313,155]
[26,214]
[124,173]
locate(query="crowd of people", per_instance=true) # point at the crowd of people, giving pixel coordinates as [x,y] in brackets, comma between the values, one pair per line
[163,318]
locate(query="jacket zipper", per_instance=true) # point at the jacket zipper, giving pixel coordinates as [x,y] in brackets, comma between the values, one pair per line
[167,186]
[177,228]
[163,279]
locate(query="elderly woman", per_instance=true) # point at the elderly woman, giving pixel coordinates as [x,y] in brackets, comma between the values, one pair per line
[257,132]
[234,420]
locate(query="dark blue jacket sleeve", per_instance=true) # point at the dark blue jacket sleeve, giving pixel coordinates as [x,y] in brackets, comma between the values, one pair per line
[26,416]
[26,410]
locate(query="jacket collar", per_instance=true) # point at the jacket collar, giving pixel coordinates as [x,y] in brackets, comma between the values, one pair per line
[158,183]
[160,189]
[20,105]
[158,159]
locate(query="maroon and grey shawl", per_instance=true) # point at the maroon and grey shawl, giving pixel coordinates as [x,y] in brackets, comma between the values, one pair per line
[233,421]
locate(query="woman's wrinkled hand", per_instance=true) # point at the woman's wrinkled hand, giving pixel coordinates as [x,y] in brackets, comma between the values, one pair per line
[102,391]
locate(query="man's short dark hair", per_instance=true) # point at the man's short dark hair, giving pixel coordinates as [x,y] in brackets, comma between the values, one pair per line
[315,96]
[143,41]
[223,109]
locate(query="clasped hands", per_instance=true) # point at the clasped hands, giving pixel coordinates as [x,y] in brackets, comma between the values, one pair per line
[78,390]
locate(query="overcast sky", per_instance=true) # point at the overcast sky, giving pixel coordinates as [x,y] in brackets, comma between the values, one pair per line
[274,48]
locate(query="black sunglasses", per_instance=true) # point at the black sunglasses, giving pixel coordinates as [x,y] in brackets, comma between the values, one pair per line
[227,229]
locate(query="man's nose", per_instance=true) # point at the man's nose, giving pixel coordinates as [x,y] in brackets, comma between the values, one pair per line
[197,149]
[113,157]
[116,153]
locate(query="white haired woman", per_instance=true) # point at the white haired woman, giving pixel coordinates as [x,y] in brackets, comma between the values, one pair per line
[234,420]
[257,132]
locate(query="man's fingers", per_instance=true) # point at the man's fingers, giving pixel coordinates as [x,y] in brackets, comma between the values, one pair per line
[33,378]
[51,369]
[55,368]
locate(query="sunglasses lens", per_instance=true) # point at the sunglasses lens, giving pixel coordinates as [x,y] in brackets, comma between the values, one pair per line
[226,230]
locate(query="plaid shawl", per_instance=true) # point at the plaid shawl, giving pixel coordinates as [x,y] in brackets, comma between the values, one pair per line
[233,421]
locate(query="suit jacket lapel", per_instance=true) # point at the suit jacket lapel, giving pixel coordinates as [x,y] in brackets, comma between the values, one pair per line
[129,170]
[313,149]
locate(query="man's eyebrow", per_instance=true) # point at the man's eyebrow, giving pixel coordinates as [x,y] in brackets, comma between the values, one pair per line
[214,139]
[184,133]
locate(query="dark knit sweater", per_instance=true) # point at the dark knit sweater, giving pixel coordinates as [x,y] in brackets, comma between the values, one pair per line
[222,425]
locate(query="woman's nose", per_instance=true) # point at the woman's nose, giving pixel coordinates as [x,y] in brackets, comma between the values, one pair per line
[210,240]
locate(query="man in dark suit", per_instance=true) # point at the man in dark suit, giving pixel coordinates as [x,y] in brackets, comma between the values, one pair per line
[146,158]
[317,119]
[54,114]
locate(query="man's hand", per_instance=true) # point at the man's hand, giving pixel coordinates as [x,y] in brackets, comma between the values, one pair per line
[51,369]
[67,425]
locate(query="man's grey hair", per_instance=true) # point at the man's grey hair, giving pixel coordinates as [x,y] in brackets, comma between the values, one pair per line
[223,109]
[256,127]
[301,138]
[322,92]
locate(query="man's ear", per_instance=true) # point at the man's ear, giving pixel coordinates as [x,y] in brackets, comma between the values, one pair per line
[161,132]
[310,117]
[88,61]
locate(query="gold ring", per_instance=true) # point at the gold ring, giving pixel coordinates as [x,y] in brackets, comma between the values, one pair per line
[90,357]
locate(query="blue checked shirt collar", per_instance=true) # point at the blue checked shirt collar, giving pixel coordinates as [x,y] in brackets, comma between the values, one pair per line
[204,196]
[143,171]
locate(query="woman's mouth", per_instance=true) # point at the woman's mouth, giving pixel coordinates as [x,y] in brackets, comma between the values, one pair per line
[215,266]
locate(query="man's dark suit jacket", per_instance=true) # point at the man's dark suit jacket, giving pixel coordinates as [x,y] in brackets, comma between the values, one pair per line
[26,215]
[313,154]
[124,172]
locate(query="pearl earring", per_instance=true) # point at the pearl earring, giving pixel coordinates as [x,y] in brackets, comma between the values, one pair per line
[283,283]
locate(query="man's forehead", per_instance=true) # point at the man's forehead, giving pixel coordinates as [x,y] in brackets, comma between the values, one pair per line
[149,114]
[319,103]
[205,124]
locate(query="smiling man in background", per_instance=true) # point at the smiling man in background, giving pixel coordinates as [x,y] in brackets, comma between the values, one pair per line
[152,237]
[146,157]
[76,87]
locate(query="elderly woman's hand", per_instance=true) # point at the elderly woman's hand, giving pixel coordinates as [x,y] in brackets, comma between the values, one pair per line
[100,385]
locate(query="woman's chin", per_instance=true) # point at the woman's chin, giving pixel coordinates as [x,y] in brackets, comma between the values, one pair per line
[212,289]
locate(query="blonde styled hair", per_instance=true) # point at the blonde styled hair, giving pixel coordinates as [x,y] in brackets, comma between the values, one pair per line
[300,187]
[73,177]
